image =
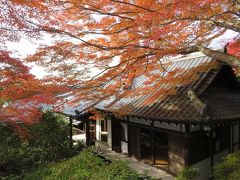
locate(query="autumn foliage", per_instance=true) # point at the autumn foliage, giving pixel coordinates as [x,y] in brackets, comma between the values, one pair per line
[120,39]
[21,94]
[234,48]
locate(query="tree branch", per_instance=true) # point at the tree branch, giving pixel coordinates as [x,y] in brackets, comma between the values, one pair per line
[134,5]
[233,61]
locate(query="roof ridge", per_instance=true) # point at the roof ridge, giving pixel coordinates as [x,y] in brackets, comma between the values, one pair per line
[186,57]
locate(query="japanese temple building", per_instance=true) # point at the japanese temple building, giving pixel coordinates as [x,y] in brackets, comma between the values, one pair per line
[197,126]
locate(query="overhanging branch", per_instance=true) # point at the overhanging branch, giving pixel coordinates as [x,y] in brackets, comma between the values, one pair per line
[231,60]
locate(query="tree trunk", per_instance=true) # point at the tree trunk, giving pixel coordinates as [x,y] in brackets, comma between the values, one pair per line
[233,61]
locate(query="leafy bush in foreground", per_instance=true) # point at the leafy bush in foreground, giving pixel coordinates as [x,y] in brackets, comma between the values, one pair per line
[48,141]
[189,173]
[229,168]
[87,165]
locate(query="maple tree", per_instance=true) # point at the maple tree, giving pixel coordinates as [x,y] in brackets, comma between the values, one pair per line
[21,94]
[135,34]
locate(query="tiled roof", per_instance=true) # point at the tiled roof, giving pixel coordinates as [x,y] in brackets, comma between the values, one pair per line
[179,107]
[222,105]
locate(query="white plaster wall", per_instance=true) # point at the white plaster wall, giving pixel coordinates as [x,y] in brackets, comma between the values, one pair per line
[170,126]
[120,117]
[124,147]
[164,125]
[109,129]
[139,121]
[194,128]
[98,130]
[205,165]
[125,130]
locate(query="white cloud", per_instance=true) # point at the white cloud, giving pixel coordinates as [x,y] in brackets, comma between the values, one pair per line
[26,47]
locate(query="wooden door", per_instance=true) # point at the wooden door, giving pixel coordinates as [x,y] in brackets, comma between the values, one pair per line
[116,135]
[134,140]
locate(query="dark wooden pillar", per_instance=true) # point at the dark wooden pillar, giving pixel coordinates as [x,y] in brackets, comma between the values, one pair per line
[187,144]
[187,129]
[87,128]
[232,147]
[238,134]
[152,144]
[211,144]
[230,138]
[70,131]
[128,137]
[187,150]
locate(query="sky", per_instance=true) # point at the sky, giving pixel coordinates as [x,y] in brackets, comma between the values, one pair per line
[25,47]
[221,41]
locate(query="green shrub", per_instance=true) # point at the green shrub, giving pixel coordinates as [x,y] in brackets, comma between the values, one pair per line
[87,165]
[189,173]
[48,142]
[229,168]
[51,134]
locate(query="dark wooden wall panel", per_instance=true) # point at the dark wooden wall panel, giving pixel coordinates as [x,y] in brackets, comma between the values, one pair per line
[134,137]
